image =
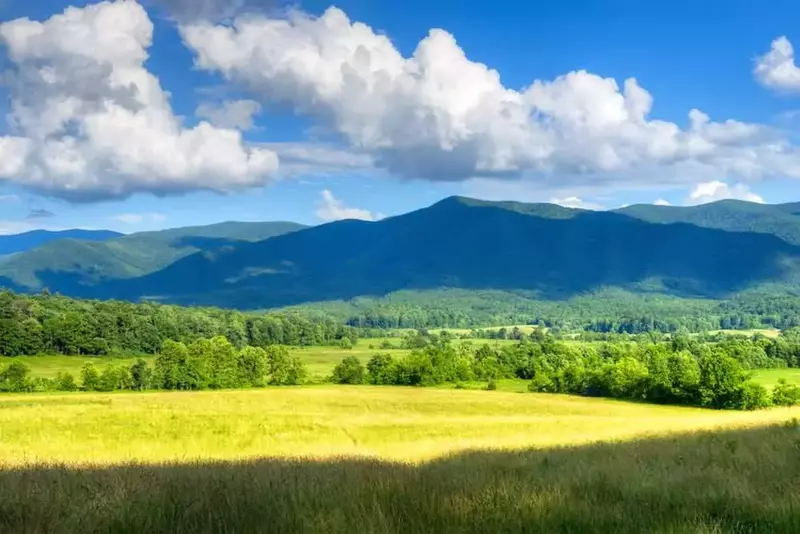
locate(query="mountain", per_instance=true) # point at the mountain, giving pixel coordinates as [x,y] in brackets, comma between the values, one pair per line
[551,251]
[13,244]
[782,220]
[67,265]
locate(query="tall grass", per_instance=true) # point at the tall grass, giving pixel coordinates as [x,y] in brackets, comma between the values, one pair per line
[732,481]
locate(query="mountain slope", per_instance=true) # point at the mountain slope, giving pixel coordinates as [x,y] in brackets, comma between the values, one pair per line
[68,264]
[782,220]
[462,243]
[13,244]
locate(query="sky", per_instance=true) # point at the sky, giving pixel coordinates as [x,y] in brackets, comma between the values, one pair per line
[143,115]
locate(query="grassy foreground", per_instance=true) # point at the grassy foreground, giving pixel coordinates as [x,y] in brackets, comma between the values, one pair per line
[363,459]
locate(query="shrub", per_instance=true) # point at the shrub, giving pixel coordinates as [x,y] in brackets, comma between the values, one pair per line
[16,378]
[65,382]
[382,370]
[753,397]
[492,385]
[349,371]
[785,394]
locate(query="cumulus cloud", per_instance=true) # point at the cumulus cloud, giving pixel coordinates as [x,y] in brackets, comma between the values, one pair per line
[777,69]
[39,213]
[661,202]
[333,209]
[139,218]
[438,115]
[576,202]
[715,190]
[230,114]
[90,122]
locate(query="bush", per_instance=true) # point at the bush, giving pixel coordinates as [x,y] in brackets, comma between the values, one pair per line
[785,394]
[382,370]
[753,397]
[65,382]
[492,385]
[349,371]
[16,378]
[345,343]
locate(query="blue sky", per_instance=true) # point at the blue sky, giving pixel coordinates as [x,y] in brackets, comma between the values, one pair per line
[685,54]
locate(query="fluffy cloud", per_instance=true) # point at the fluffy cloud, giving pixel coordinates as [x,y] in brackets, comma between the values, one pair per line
[776,69]
[230,114]
[715,190]
[333,209]
[661,202]
[91,122]
[440,116]
[139,218]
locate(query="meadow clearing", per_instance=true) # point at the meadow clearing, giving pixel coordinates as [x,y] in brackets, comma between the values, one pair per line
[390,459]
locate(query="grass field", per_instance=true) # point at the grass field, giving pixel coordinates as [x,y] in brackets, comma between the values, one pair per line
[388,459]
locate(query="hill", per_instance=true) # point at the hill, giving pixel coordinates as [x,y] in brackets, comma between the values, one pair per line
[549,251]
[781,220]
[14,244]
[68,265]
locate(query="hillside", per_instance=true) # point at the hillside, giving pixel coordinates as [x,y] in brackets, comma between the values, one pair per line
[554,253]
[69,264]
[781,220]
[14,244]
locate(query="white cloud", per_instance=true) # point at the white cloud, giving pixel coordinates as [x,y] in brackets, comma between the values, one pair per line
[439,116]
[230,114]
[91,122]
[319,159]
[8,198]
[776,69]
[332,209]
[576,202]
[661,202]
[139,218]
[715,190]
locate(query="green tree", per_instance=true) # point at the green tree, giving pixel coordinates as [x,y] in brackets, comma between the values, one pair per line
[65,382]
[141,375]
[382,370]
[785,394]
[349,371]
[16,378]
[252,362]
[90,377]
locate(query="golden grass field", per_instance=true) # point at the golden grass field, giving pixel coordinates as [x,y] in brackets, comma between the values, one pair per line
[342,459]
[405,424]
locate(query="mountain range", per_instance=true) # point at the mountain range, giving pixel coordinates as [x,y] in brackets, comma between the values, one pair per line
[709,251]
[13,244]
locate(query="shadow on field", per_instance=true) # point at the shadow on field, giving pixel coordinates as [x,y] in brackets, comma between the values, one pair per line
[734,481]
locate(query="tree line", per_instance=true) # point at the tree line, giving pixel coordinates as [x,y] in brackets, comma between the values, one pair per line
[203,364]
[33,324]
[681,371]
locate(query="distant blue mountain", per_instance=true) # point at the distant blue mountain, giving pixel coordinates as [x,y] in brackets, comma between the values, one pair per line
[12,244]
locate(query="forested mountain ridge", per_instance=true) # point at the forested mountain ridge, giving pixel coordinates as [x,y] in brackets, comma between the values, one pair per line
[550,251]
[68,264]
[16,243]
[781,220]
[545,251]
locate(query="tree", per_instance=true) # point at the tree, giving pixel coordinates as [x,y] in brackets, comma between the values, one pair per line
[284,369]
[16,378]
[141,375]
[349,371]
[382,370]
[721,380]
[65,382]
[252,363]
[90,378]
